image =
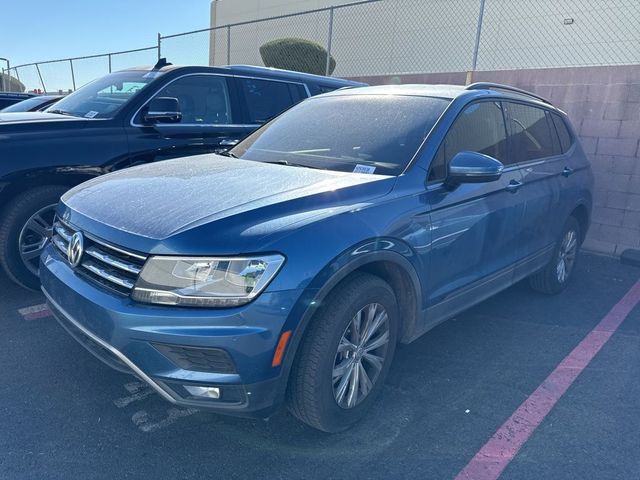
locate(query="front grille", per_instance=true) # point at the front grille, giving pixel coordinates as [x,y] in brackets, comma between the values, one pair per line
[108,265]
[199,359]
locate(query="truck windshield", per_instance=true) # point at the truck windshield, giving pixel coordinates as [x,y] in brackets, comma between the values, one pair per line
[103,97]
[375,134]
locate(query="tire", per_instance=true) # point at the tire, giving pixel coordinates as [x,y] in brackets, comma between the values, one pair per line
[313,397]
[549,280]
[14,232]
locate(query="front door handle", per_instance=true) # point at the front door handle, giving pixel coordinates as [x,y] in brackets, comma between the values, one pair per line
[514,186]
[567,171]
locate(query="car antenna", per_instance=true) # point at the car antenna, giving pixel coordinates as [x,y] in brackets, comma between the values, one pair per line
[162,62]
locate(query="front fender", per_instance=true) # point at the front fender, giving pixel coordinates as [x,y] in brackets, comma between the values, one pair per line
[355,258]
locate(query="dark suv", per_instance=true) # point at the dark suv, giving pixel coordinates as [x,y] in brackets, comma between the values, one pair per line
[352,221]
[10,98]
[127,118]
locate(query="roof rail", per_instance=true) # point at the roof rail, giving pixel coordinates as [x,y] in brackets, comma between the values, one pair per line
[499,86]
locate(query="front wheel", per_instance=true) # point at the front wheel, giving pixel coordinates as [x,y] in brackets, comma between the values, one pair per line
[555,276]
[25,229]
[345,355]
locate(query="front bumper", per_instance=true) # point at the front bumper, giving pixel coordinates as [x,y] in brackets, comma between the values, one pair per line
[126,336]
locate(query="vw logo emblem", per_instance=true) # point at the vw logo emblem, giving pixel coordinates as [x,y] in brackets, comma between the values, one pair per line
[75,249]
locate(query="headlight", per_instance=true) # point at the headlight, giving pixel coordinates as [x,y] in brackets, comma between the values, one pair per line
[205,282]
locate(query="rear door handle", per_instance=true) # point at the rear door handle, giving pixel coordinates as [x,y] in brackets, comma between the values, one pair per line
[514,186]
[567,171]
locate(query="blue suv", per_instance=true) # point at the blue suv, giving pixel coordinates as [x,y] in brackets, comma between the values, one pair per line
[288,269]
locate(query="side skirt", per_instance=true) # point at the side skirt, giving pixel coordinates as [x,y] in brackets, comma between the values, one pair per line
[479,291]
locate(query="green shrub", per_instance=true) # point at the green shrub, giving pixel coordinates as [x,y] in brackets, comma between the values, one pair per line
[296,54]
[11,84]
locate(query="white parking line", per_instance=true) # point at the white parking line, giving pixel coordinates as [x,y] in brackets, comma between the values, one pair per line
[35,311]
[142,420]
[124,401]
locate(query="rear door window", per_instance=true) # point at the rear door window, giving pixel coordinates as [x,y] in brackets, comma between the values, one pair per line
[479,128]
[530,133]
[265,99]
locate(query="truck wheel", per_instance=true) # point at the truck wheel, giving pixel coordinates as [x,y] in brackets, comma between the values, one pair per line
[555,276]
[25,228]
[345,355]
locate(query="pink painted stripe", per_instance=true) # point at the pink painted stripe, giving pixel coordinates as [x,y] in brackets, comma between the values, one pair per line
[500,450]
[35,311]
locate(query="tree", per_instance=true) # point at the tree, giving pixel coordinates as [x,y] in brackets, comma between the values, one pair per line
[297,54]
[10,83]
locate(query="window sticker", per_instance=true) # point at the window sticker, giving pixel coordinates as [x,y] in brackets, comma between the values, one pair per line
[364,169]
[91,114]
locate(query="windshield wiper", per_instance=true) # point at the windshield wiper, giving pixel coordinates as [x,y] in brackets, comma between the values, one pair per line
[292,164]
[228,153]
[60,112]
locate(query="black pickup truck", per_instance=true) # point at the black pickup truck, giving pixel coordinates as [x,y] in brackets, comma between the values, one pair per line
[127,118]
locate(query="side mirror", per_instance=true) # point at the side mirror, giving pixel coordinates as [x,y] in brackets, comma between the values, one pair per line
[473,167]
[163,110]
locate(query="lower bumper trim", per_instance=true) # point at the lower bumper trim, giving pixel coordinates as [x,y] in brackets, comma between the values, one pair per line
[58,310]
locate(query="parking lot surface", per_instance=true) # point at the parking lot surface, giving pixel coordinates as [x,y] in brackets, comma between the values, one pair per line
[63,414]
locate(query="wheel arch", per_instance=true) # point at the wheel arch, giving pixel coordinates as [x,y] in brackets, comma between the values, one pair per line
[391,265]
[582,214]
[12,186]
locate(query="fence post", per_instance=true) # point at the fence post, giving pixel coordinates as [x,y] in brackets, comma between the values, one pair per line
[228,44]
[159,46]
[44,88]
[8,74]
[476,47]
[73,75]
[329,41]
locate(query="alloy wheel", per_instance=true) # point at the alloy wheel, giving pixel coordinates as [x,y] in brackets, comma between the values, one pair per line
[361,355]
[567,256]
[34,235]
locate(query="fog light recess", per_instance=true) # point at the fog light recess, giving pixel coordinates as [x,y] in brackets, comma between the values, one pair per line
[203,392]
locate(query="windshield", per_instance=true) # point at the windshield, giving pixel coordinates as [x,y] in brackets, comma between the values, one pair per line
[376,134]
[26,105]
[103,97]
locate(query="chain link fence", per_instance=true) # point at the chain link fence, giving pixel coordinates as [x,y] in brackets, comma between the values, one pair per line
[393,37]
[65,75]
[388,37]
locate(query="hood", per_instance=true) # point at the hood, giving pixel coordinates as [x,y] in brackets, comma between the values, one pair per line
[159,200]
[28,117]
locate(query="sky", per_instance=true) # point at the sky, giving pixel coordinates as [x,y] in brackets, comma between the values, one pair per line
[37,30]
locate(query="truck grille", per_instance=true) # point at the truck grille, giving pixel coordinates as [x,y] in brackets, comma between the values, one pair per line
[108,265]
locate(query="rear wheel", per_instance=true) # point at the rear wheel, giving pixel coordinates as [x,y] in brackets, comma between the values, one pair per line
[25,229]
[555,276]
[345,355]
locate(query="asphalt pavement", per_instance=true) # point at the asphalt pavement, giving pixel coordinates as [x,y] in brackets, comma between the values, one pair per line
[65,415]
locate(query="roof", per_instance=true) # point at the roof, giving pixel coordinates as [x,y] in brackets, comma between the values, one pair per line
[449,92]
[252,70]
[277,72]
[16,95]
[414,90]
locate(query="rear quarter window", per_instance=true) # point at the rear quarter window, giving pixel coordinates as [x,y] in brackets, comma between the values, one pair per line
[563,132]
